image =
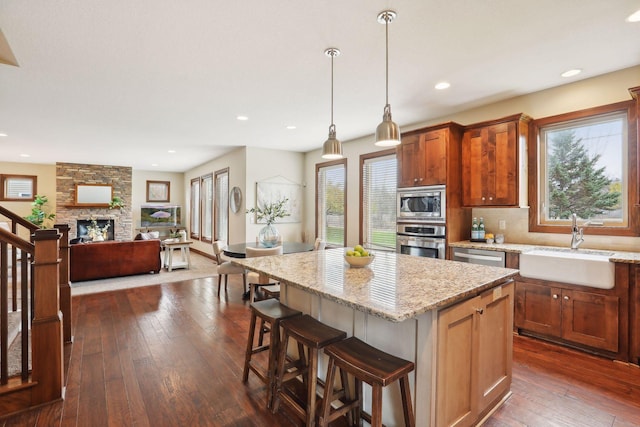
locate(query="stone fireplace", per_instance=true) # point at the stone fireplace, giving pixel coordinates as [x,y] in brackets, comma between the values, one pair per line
[67,212]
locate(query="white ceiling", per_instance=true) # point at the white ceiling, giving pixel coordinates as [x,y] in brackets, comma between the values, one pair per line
[122,82]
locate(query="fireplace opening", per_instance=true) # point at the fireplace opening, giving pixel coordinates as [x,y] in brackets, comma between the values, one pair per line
[83,233]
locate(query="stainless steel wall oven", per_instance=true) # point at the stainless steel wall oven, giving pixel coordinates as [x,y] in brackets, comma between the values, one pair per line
[421,239]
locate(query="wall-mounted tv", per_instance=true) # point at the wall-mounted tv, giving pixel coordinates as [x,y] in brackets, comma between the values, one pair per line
[160,215]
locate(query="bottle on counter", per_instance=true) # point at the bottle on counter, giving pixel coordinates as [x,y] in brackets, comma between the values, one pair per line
[474,228]
[481,229]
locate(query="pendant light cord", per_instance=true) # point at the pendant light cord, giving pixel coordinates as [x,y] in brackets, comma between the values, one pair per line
[332,55]
[386,27]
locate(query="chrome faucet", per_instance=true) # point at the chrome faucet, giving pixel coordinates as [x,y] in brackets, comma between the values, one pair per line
[577,234]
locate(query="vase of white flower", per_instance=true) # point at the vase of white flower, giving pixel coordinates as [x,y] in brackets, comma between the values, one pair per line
[269,236]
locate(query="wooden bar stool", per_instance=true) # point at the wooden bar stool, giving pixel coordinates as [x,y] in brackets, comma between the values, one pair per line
[314,335]
[373,366]
[270,312]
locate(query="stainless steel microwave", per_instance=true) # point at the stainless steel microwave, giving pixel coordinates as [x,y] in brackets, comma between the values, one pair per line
[422,203]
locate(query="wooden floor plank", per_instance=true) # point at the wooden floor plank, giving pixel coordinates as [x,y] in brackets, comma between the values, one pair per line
[172,355]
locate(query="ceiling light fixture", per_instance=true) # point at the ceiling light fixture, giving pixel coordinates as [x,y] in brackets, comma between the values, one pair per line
[332,148]
[3,134]
[242,118]
[387,132]
[634,17]
[442,85]
[571,73]
[291,127]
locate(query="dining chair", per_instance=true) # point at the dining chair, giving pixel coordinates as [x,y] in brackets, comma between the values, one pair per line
[225,267]
[272,288]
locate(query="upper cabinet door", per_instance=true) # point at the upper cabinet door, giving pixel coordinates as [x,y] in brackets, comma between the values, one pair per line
[490,163]
[422,158]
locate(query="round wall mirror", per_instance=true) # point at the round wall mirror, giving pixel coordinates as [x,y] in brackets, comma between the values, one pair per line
[235,199]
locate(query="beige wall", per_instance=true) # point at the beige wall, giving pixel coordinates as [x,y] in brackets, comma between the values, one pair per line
[46,185]
[587,93]
[139,191]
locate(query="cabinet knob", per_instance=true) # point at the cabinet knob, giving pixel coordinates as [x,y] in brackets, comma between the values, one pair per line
[483,199]
[420,179]
[566,298]
[490,198]
[555,296]
[479,310]
[415,179]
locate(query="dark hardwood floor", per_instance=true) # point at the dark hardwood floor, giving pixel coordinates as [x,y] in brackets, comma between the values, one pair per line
[172,355]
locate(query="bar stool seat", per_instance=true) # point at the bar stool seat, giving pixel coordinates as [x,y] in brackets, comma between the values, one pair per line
[314,335]
[376,368]
[271,312]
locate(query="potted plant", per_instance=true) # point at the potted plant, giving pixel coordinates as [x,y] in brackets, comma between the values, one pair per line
[269,235]
[39,212]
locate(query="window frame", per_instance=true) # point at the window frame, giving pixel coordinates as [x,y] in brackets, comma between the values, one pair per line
[329,164]
[534,157]
[7,177]
[363,160]
[216,208]
[194,232]
[205,181]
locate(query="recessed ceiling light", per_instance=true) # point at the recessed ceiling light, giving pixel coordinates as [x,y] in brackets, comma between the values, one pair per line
[154,164]
[571,73]
[171,151]
[291,127]
[442,85]
[634,17]
[242,118]
[25,155]
[3,134]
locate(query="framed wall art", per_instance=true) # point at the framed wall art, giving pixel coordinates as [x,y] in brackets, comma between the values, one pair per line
[158,191]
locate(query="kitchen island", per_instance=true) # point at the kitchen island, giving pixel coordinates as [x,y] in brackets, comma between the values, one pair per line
[454,320]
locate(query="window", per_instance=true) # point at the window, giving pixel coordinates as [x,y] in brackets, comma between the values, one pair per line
[206,192]
[18,187]
[331,202]
[222,205]
[195,208]
[581,164]
[378,180]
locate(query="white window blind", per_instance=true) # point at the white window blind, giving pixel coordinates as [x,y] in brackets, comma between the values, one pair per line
[207,207]
[379,178]
[222,205]
[195,208]
[331,202]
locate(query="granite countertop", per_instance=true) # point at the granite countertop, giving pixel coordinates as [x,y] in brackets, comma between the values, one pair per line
[394,287]
[617,256]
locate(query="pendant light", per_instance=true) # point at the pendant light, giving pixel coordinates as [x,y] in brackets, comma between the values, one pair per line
[387,132]
[332,148]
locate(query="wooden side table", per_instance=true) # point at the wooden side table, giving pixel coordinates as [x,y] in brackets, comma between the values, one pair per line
[171,263]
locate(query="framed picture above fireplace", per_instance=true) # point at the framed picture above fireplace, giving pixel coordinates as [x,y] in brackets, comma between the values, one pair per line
[94,194]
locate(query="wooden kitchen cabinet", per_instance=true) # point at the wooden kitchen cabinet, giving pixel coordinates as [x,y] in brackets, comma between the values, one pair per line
[590,318]
[423,156]
[490,153]
[474,354]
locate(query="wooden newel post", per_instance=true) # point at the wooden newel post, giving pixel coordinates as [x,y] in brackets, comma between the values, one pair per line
[65,288]
[46,332]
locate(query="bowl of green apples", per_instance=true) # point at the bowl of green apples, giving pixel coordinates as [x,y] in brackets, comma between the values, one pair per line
[358,257]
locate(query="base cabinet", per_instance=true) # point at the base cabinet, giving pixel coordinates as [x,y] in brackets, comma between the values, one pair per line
[474,357]
[589,318]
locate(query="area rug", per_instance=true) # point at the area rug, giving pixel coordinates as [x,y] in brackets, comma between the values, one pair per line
[201,266]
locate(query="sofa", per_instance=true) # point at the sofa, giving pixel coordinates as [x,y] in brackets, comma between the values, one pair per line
[100,260]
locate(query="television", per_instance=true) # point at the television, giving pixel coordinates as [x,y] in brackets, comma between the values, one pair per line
[160,215]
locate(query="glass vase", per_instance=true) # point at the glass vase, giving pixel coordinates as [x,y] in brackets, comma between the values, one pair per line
[268,236]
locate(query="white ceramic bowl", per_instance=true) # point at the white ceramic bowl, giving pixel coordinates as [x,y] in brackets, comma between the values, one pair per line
[359,261]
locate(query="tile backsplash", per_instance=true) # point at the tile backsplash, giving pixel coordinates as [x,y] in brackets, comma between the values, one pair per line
[517,231]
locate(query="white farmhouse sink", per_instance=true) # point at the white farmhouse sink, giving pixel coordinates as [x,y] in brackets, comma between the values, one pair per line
[577,267]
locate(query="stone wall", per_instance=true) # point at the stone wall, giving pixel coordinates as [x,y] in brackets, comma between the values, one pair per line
[70,174]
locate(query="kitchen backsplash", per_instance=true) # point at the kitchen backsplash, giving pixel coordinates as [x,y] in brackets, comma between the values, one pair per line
[517,231]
